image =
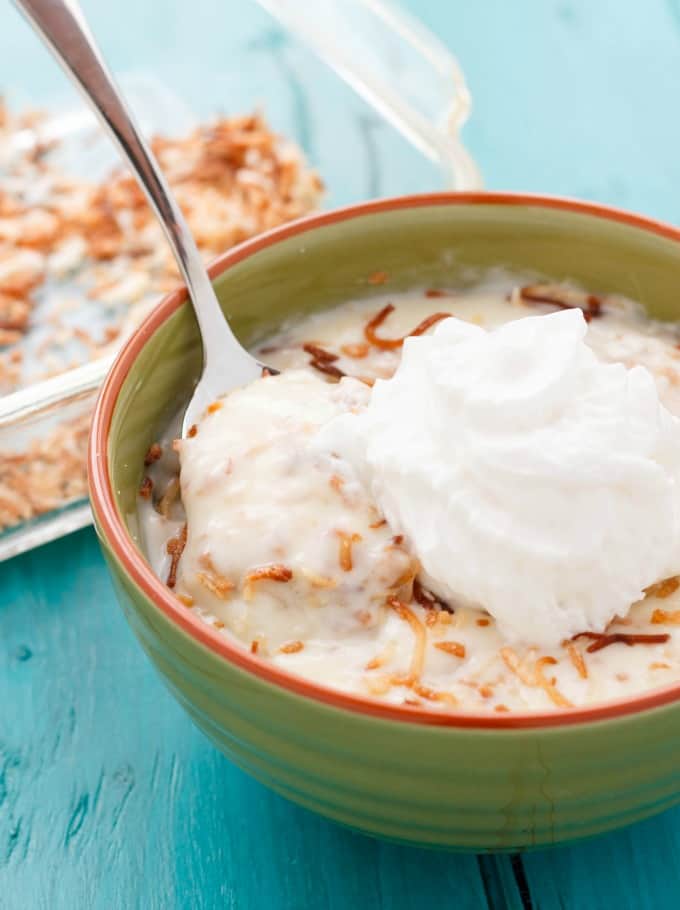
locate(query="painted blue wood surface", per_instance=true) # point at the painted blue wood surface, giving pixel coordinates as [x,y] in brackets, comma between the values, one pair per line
[108,796]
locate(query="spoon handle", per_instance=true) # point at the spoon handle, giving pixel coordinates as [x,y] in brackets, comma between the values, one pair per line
[63,28]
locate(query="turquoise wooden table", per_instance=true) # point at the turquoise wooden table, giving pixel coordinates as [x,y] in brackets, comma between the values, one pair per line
[109,798]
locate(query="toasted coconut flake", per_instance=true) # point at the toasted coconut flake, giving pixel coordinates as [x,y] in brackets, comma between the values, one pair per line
[434,694]
[356,351]
[433,293]
[213,580]
[391,343]
[549,684]
[418,656]
[186,599]
[291,647]
[372,325]
[603,640]
[564,298]
[663,588]
[530,672]
[427,323]
[319,353]
[325,366]
[519,667]
[455,648]
[217,585]
[274,572]
[174,548]
[666,617]
[169,497]
[346,543]
[154,453]
[402,586]
[576,658]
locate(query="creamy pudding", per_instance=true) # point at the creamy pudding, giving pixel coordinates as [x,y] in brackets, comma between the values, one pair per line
[277,531]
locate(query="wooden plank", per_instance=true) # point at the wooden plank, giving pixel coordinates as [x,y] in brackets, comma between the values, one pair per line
[500,874]
[110,798]
[633,869]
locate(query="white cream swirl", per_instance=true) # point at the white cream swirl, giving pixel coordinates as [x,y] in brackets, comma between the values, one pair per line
[528,477]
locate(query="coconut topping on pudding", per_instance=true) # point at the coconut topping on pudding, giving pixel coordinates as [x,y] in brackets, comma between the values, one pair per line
[493,529]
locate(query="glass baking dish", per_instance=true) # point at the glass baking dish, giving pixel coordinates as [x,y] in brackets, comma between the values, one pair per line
[398,102]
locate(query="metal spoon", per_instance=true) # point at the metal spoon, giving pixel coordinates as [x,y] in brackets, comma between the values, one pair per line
[226,364]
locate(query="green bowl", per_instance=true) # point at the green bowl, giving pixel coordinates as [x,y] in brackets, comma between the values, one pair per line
[415,775]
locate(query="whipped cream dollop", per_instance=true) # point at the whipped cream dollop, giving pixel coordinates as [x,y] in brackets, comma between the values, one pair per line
[528,477]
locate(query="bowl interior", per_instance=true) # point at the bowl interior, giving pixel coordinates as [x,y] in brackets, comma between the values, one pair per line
[417,243]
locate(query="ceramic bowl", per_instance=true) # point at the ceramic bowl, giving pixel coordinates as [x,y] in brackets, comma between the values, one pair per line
[411,774]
